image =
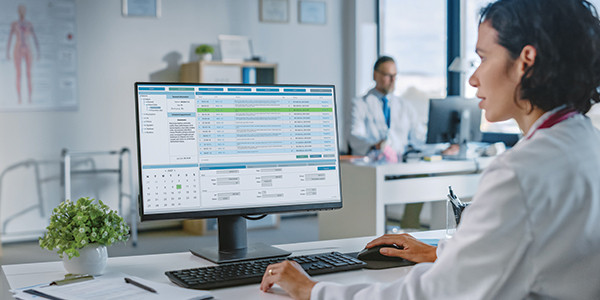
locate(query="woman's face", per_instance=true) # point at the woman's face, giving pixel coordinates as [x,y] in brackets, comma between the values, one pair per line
[496,78]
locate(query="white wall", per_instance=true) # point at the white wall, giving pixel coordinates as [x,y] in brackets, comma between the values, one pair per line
[114,52]
[360,42]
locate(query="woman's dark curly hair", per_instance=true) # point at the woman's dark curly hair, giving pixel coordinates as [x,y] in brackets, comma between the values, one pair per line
[566,36]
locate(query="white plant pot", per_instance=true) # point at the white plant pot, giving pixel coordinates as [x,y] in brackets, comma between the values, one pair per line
[92,260]
[206,56]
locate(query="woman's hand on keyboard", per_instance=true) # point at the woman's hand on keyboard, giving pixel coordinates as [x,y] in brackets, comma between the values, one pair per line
[290,276]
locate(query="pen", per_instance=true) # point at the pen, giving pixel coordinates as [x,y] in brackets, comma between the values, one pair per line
[147,288]
[453,200]
[40,294]
[451,192]
[457,206]
[454,196]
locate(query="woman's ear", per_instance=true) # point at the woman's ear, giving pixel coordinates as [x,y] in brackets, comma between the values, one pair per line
[527,58]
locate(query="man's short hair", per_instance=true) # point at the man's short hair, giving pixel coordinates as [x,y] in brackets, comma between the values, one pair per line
[382,59]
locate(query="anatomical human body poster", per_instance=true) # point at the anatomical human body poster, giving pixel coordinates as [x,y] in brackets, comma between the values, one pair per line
[38,58]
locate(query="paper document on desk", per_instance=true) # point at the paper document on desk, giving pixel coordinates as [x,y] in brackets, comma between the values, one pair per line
[19,294]
[113,286]
[431,242]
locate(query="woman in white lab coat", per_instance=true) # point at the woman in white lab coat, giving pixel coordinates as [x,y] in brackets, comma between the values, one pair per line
[533,228]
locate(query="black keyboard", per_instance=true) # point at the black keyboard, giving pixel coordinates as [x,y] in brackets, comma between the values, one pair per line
[252,271]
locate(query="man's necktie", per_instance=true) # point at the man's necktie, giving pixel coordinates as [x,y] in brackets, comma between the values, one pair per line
[386,110]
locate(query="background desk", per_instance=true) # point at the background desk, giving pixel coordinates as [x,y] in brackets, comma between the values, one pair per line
[152,267]
[368,188]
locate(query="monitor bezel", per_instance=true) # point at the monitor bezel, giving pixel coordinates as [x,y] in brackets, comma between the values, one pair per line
[449,105]
[234,211]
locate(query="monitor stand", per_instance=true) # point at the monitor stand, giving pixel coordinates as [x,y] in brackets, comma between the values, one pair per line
[233,245]
[463,135]
[462,152]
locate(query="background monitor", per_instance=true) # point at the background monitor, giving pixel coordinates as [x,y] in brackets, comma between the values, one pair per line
[229,151]
[454,120]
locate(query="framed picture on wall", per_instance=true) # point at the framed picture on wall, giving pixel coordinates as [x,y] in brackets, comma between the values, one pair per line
[141,8]
[274,11]
[235,48]
[312,12]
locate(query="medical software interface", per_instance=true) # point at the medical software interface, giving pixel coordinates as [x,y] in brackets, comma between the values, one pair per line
[210,147]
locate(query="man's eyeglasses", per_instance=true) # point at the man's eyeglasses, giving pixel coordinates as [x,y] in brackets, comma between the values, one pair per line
[391,76]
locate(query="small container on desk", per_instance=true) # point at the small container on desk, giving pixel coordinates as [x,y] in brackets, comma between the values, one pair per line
[454,210]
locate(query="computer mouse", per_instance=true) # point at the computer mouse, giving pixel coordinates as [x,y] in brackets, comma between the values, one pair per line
[374,254]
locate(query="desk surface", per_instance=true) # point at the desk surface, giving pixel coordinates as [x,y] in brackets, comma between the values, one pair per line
[152,267]
[424,167]
[367,188]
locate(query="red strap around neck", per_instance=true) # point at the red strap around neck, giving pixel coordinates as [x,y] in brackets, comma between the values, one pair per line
[556,118]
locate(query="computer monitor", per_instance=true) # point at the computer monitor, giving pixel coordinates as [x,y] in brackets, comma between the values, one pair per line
[454,120]
[234,150]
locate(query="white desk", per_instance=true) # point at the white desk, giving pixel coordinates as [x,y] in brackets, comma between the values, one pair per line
[152,267]
[368,188]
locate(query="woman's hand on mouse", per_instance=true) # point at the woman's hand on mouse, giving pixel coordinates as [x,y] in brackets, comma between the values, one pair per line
[413,249]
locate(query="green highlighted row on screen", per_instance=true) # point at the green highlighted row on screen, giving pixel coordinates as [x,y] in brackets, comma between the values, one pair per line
[260,110]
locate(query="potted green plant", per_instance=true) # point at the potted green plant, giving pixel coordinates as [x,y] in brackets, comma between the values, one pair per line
[80,231]
[205,52]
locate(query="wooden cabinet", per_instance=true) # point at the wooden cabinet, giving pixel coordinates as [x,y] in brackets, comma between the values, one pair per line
[222,72]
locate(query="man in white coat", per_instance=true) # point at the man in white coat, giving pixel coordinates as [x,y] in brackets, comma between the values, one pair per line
[383,125]
[533,228]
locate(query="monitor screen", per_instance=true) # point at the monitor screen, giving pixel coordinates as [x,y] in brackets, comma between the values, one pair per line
[446,116]
[454,120]
[213,150]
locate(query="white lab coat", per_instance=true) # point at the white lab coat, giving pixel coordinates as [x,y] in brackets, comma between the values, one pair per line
[531,232]
[369,128]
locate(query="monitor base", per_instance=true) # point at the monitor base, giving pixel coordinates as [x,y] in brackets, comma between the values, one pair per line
[454,157]
[462,152]
[254,251]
